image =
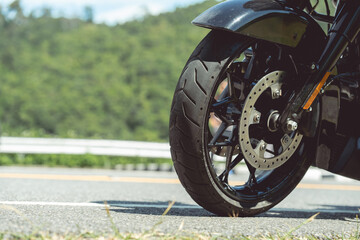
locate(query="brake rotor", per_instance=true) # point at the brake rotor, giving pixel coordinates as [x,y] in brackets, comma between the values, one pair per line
[259,153]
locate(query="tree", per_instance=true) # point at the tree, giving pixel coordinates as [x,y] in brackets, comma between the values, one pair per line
[74,78]
[89,14]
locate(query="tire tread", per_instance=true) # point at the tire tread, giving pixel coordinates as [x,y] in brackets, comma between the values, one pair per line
[187,115]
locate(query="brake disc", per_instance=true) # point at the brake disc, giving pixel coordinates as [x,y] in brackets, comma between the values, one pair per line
[259,153]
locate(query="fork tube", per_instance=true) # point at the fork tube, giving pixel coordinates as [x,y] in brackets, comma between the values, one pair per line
[345,28]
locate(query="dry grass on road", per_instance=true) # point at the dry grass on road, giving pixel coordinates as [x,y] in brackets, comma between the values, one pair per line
[181,234]
[163,236]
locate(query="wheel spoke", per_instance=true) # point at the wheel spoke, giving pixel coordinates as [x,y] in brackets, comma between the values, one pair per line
[221,144]
[230,167]
[257,132]
[218,134]
[230,163]
[229,154]
[250,67]
[225,106]
[231,87]
[224,93]
[252,178]
[226,111]
[220,108]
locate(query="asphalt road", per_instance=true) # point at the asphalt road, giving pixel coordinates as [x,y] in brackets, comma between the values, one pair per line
[72,201]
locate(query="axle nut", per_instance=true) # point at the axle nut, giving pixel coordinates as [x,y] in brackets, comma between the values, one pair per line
[291,125]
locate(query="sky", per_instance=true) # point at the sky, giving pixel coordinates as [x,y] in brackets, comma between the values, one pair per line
[105,11]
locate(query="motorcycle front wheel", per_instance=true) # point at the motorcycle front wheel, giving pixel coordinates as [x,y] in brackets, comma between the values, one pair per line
[224,111]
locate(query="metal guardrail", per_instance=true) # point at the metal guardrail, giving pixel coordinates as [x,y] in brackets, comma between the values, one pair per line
[22,145]
[84,146]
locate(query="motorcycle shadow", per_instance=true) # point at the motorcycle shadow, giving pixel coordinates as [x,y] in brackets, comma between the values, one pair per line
[156,208]
[335,212]
[345,213]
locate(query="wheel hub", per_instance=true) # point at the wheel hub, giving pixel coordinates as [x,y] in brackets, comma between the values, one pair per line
[258,151]
[272,121]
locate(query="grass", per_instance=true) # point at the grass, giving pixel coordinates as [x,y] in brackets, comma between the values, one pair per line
[82,161]
[180,234]
[150,235]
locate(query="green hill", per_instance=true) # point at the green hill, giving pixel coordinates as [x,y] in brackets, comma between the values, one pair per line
[73,78]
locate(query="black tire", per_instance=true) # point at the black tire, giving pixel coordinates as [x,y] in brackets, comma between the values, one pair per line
[189,136]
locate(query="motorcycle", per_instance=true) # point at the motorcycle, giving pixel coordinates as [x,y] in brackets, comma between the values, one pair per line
[268,89]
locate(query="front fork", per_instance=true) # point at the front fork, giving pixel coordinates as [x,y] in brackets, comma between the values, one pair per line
[345,28]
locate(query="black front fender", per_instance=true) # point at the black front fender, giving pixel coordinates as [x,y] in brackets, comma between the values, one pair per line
[262,19]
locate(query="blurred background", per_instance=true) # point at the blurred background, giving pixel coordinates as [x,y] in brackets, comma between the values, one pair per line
[92,69]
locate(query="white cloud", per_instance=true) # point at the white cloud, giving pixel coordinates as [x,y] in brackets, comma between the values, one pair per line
[128,12]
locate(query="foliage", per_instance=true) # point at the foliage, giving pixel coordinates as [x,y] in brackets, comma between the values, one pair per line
[74,78]
[82,161]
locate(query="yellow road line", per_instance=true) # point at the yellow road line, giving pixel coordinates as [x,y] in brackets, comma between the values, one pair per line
[88,178]
[55,177]
[329,187]
[98,178]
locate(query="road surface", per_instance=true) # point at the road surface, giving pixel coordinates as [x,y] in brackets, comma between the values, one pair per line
[72,201]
